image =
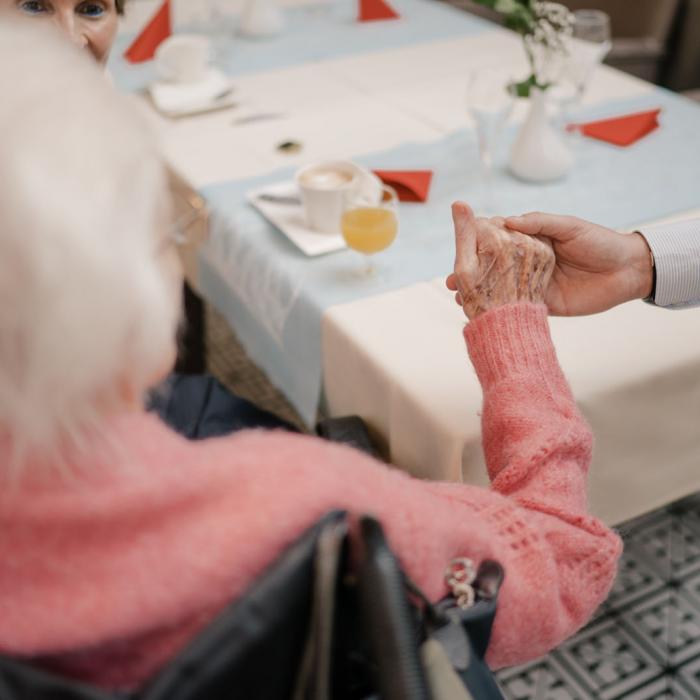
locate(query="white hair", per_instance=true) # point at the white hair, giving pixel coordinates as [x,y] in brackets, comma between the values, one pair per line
[88,311]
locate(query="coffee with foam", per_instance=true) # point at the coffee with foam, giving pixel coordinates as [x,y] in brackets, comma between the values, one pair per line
[326,187]
[326,178]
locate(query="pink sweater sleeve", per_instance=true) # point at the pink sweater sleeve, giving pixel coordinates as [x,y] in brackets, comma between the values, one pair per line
[537,448]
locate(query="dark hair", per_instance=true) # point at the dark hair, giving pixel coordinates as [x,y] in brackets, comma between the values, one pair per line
[120,6]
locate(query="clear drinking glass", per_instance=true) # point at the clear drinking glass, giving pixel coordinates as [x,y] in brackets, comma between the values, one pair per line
[370,227]
[490,101]
[592,26]
[590,44]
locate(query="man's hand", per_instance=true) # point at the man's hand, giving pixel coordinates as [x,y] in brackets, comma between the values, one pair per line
[596,267]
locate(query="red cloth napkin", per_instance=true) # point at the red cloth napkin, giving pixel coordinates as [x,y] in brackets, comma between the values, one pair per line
[622,131]
[410,185]
[157,30]
[370,10]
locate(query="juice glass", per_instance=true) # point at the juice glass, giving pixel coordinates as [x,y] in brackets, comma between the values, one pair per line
[371,227]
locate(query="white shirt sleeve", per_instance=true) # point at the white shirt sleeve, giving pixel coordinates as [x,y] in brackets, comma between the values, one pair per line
[676,250]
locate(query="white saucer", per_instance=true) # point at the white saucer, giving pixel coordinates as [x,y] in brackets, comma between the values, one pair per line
[288,217]
[214,91]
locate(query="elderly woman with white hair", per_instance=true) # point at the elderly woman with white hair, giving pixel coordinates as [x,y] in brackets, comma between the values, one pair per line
[120,539]
[196,405]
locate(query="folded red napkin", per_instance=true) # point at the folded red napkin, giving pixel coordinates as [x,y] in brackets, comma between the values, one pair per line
[410,185]
[370,10]
[622,131]
[157,30]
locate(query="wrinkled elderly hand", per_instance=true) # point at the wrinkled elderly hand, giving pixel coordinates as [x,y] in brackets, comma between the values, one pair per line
[495,266]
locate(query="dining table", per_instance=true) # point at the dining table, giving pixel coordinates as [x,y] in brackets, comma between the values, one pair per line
[392,95]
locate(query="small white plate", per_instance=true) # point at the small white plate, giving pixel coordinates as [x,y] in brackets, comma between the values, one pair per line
[214,91]
[289,218]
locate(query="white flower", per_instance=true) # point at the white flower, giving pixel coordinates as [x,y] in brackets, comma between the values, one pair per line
[555,14]
[546,44]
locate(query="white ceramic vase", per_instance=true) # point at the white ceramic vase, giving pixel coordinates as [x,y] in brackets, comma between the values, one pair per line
[540,153]
[261,19]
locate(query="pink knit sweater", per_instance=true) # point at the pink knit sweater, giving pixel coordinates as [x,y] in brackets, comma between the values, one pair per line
[106,576]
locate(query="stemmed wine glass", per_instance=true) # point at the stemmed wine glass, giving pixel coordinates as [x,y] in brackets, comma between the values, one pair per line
[370,226]
[587,47]
[593,26]
[490,101]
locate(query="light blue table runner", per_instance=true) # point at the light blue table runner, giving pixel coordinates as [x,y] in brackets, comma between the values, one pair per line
[274,296]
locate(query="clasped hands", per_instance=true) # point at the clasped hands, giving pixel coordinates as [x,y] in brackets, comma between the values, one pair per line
[572,265]
[495,266]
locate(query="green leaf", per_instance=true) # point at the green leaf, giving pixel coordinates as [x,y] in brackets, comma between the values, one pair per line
[522,89]
[486,3]
[518,24]
[521,21]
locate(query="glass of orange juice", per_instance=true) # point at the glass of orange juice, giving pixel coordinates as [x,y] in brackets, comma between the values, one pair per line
[371,227]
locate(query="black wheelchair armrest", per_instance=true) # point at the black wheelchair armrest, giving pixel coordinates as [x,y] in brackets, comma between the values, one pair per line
[349,430]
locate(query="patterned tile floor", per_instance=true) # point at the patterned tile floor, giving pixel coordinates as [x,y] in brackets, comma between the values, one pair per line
[644,642]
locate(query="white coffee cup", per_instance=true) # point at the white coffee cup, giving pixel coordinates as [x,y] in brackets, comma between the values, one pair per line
[183,58]
[327,187]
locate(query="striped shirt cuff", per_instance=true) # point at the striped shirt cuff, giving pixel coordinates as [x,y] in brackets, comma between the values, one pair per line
[676,250]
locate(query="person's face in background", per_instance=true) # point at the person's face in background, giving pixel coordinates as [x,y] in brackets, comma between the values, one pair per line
[90,24]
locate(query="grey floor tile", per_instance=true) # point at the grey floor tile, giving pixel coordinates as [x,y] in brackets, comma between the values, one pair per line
[668,625]
[607,660]
[689,678]
[665,688]
[544,680]
[637,578]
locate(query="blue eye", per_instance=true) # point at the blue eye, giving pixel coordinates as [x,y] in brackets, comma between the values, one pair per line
[91,9]
[33,7]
